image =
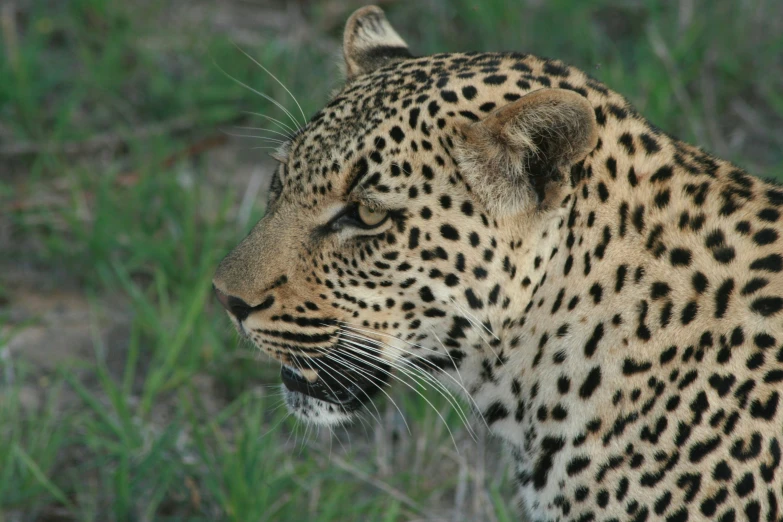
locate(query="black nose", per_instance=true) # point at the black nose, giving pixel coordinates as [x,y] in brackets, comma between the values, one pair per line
[235,305]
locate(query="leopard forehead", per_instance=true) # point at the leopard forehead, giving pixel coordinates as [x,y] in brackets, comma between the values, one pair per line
[401,112]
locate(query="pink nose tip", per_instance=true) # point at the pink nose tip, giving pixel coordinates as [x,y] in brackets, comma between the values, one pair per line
[223,298]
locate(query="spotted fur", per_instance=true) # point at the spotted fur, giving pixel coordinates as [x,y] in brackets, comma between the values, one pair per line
[610,297]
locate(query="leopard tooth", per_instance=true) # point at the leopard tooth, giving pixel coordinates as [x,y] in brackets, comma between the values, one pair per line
[309,375]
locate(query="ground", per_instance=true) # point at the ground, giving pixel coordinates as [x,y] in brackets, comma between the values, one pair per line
[124,393]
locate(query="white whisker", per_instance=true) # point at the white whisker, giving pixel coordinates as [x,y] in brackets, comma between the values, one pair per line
[467,313]
[328,373]
[263,138]
[277,122]
[270,430]
[304,118]
[412,372]
[461,384]
[474,321]
[304,438]
[371,377]
[412,388]
[458,383]
[264,129]
[266,97]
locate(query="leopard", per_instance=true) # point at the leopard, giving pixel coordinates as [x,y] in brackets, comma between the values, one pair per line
[608,298]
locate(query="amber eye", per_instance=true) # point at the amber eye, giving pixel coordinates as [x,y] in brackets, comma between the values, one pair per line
[370,216]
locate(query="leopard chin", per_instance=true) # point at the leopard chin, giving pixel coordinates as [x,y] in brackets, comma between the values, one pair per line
[333,398]
[315,411]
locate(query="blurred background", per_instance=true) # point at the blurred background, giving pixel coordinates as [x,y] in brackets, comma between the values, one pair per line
[127,172]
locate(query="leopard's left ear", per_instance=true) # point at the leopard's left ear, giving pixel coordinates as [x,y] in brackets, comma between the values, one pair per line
[370,42]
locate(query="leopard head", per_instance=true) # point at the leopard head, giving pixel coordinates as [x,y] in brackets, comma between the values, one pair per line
[401,219]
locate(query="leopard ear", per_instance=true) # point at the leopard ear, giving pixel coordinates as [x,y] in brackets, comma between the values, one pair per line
[516,154]
[370,42]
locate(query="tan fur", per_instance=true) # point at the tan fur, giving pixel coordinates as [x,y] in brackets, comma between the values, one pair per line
[366,30]
[496,151]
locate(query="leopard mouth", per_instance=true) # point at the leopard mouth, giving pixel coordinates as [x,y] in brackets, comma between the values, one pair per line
[348,388]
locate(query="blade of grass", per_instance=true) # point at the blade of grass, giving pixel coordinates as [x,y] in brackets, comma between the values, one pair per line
[40,476]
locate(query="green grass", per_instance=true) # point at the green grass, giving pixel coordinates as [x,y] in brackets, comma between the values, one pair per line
[104,195]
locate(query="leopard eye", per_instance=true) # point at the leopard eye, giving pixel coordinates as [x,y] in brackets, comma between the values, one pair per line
[370,216]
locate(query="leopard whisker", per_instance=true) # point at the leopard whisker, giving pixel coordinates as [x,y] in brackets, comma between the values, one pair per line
[326,371]
[360,331]
[304,438]
[372,378]
[445,393]
[468,315]
[256,91]
[474,322]
[263,129]
[445,424]
[459,383]
[414,371]
[412,388]
[262,138]
[291,132]
[304,118]
[411,368]
[356,328]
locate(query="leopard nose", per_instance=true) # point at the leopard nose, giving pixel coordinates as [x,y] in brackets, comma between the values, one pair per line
[237,307]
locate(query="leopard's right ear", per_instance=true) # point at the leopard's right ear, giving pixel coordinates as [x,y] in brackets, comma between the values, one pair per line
[520,153]
[370,42]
